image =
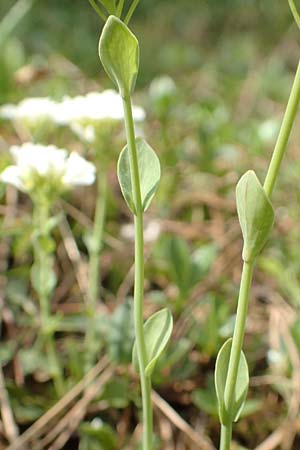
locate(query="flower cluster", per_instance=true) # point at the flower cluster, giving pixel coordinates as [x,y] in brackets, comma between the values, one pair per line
[92,107]
[34,161]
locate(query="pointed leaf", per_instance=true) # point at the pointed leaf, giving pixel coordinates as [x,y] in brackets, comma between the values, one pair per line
[119,54]
[149,172]
[255,213]
[241,387]
[158,329]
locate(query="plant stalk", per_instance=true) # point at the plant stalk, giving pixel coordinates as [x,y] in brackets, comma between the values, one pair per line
[131,10]
[226,432]
[42,258]
[284,134]
[97,241]
[246,279]
[95,249]
[120,8]
[236,348]
[139,277]
[98,10]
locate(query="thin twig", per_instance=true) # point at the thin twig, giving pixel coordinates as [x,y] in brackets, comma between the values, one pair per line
[202,442]
[74,256]
[9,425]
[45,421]
[65,427]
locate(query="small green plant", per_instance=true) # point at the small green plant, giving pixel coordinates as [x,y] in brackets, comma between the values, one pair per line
[256,217]
[139,174]
[45,173]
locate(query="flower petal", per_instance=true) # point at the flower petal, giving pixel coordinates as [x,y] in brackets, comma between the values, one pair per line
[12,175]
[79,171]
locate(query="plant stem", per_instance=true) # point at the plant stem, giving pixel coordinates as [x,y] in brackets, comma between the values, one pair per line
[43,262]
[284,134]
[246,279]
[239,330]
[139,277]
[131,11]
[236,348]
[97,241]
[98,10]
[95,267]
[294,12]
[120,8]
[226,432]
[13,17]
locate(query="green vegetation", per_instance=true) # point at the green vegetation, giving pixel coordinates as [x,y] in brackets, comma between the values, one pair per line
[213,79]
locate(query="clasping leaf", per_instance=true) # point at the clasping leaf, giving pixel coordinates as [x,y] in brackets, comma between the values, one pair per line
[255,213]
[119,54]
[230,413]
[158,329]
[149,173]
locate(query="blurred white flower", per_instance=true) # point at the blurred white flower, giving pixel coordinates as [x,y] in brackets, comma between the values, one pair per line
[32,109]
[162,87]
[78,171]
[94,106]
[84,132]
[48,163]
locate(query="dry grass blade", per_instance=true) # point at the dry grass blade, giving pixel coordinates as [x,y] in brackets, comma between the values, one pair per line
[75,257]
[201,442]
[9,426]
[46,421]
[60,434]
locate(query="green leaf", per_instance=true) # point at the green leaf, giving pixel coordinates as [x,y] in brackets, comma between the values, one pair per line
[227,414]
[255,213]
[43,281]
[179,256]
[205,399]
[117,393]
[119,54]
[158,329]
[120,333]
[97,435]
[149,173]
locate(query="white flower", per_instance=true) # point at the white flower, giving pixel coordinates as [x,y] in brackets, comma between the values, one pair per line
[79,171]
[84,132]
[48,163]
[162,87]
[32,109]
[94,106]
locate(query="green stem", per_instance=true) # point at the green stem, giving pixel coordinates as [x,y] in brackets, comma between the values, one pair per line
[13,17]
[246,279]
[284,134]
[294,12]
[239,331]
[139,278]
[97,241]
[98,10]
[120,8]
[95,268]
[131,11]
[226,432]
[43,261]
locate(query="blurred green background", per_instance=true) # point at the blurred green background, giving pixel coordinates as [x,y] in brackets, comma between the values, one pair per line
[230,65]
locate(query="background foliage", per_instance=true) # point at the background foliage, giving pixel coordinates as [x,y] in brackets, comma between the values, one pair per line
[232,62]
